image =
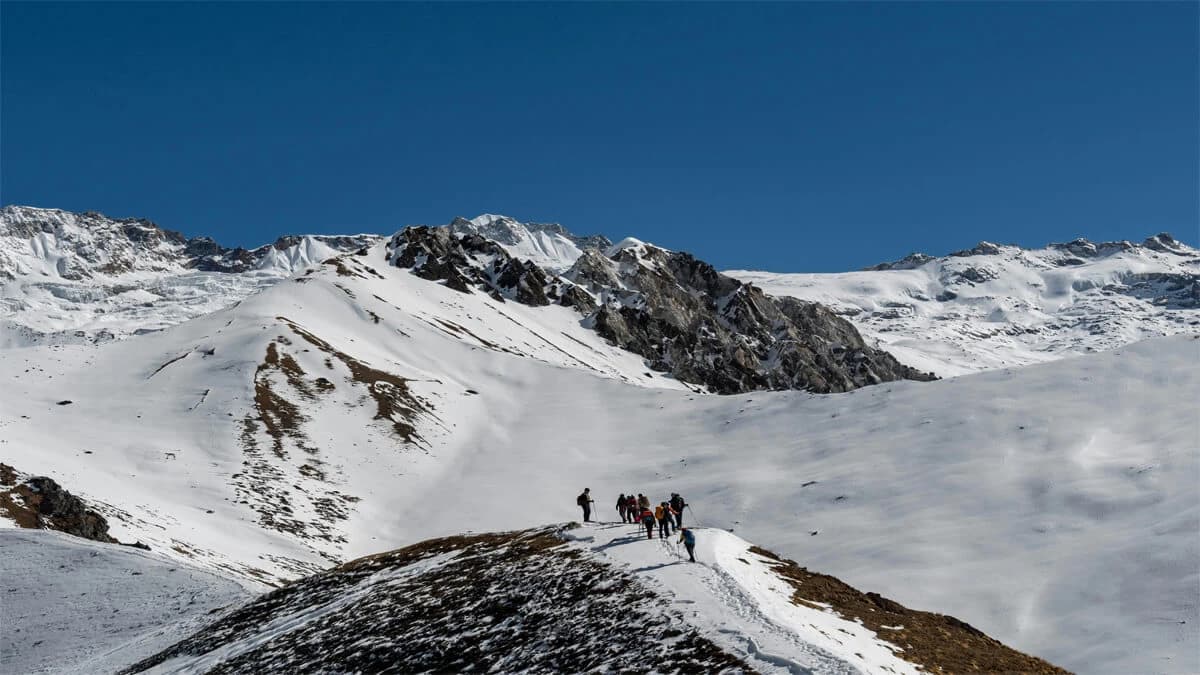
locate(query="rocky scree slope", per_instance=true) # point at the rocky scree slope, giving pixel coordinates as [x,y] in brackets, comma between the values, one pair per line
[84,277]
[675,311]
[994,306]
[545,601]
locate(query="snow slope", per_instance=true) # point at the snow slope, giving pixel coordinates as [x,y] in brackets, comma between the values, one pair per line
[1054,507]
[77,606]
[83,277]
[732,594]
[1000,306]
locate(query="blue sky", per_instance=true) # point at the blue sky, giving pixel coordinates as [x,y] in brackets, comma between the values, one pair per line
[790,137]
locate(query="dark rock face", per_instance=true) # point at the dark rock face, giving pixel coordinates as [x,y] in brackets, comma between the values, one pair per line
[41,503]
[1173,291]
[677,312]
[469,261]
[67,513]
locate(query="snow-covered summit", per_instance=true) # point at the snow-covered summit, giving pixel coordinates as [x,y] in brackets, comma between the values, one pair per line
[84,277]
[995,305]
[547,245]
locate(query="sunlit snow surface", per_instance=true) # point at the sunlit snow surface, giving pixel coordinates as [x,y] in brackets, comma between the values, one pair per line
[77,606]
[1054,507]
[963,314]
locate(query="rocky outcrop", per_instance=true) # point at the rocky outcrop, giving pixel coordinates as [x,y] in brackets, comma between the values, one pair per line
[41,503]
[679,313]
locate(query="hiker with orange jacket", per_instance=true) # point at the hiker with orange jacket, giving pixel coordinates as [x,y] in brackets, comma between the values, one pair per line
[665,515]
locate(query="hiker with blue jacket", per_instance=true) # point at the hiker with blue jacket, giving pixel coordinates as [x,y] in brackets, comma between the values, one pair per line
[689,542]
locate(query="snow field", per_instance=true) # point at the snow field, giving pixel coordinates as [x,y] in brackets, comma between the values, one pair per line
[1053,507]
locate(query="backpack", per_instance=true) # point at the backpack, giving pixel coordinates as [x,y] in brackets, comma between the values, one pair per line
[677,503]
[582,499]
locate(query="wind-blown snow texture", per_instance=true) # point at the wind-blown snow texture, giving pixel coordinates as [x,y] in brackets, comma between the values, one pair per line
[76,606]
[998,306]
[337,413]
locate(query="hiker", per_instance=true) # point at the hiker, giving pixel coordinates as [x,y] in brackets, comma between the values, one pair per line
[585,500]
[648,521]
[631,506]
[664,514]
[689,542]
[623,508]
[678,504]
[643,502]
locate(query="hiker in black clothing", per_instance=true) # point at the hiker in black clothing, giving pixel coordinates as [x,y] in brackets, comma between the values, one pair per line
[622,508]
[585,500]
[677,504]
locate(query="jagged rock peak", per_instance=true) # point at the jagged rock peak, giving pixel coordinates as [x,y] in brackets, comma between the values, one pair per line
[678,313]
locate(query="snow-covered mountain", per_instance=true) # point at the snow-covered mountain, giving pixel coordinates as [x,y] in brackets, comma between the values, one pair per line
[679,313]
[995,306]
[359,407]
[83,277]
[432,384]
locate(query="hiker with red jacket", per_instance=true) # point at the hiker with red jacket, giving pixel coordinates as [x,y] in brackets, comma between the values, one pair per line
[585,500]
[631,505]
[648,521]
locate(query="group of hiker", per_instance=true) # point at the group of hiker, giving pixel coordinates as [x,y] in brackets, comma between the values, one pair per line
[668,516]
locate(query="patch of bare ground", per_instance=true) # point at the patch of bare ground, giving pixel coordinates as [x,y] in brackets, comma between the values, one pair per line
[936,642]
[340,264]
[395,402]
[14,500]
[266,483]
[506,602]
